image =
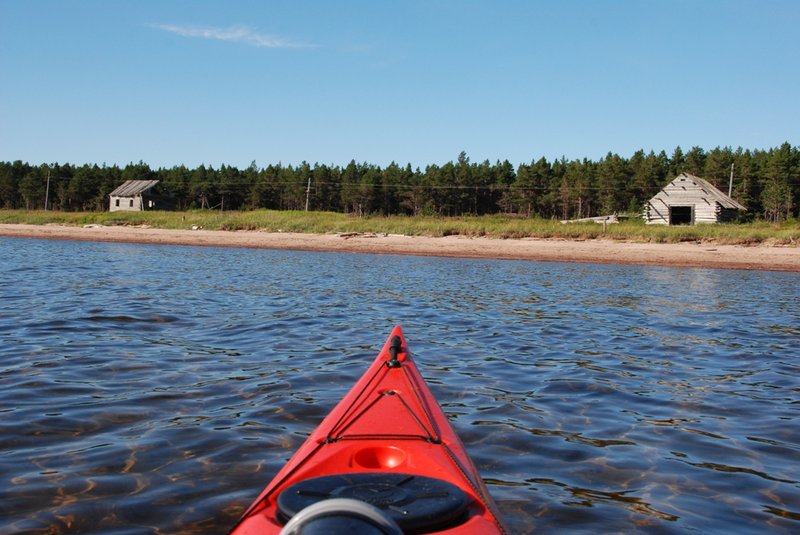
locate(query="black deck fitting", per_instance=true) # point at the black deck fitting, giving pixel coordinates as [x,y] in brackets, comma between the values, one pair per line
[394,348]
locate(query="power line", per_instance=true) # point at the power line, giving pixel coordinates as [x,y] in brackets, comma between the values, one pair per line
[554,186]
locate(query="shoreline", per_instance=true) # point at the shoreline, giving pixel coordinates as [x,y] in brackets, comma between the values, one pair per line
[687,254]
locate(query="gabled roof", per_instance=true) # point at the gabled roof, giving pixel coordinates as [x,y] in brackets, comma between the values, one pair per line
[131,188]
[711,191]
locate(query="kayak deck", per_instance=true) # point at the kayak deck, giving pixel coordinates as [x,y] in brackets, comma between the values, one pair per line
[387,443]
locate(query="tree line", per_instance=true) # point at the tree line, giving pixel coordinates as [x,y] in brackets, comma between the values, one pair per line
[767,182]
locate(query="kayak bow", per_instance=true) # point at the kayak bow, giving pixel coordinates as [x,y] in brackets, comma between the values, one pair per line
[385,460]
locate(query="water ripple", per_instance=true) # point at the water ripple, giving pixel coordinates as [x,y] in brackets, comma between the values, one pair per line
[152,389]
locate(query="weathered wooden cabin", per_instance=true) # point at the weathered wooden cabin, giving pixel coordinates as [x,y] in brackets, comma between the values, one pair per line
[688,200]
[134,196]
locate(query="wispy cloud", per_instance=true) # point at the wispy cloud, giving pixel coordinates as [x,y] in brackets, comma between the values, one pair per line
[238,34]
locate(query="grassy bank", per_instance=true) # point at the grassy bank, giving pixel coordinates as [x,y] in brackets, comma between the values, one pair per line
[490,226]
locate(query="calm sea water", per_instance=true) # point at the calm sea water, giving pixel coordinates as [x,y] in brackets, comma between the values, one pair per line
[156,389]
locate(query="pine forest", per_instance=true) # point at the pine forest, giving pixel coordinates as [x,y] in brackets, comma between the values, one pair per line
[767,182]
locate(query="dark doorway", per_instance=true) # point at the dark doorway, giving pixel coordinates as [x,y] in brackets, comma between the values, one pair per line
[681,215]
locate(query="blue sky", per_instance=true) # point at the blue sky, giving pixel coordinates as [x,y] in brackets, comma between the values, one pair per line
[173,82]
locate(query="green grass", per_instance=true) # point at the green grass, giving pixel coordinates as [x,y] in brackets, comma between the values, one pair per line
[496,226]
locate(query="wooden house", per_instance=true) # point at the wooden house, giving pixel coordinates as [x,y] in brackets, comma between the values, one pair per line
[134,196]
[688,200]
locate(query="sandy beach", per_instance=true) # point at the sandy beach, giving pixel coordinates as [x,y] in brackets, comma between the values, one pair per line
[690,254]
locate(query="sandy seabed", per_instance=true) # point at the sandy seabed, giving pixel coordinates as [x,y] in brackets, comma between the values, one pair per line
[690,254]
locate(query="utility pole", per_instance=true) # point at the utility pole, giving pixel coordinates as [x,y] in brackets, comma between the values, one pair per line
[47,191]
[730,182]
[308,191]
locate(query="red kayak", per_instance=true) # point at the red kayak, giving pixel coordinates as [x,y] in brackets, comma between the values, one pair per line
[384,461]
